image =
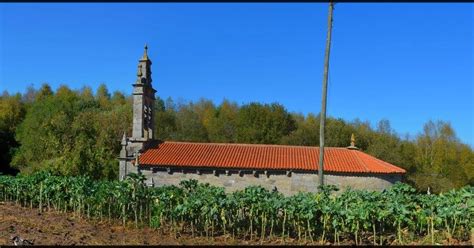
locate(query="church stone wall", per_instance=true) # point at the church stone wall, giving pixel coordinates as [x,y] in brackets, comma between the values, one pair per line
[377,182]
[288,185]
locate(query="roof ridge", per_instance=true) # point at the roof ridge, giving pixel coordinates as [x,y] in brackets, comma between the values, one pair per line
[360,160]
[246,144]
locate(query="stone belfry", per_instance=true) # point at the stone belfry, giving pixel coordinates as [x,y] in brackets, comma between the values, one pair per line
[143,119]
[143,101]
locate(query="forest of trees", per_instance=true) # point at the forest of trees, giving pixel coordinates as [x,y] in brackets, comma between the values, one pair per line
[78,132]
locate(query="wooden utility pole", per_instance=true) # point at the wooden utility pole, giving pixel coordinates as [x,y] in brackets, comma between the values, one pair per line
[324,96]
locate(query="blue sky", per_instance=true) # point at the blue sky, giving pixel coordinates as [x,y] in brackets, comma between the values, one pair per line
[407,63]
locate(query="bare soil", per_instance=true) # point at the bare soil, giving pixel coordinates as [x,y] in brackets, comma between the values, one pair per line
[56,228]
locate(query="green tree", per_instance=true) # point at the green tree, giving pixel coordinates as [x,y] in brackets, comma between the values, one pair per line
[29,95]
[439,158]
[362,132]
[118,98]
[206,111]
[71,134]
[384,143]
[12,112]
[264,124]
[103,96]
[165,119]
[44,134]
[44,92]
[86,94]
[189,126]
[338,133]
[222,127]
[306,132]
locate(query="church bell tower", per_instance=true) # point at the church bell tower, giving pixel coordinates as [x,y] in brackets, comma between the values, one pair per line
[143,101]
[143,119]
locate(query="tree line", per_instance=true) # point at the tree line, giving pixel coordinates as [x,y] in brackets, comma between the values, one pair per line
[78,132]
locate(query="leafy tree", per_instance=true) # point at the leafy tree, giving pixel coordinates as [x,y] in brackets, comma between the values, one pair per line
[103,95]
[189,126]
[86,94]
[165,119]
[466,162]
[384,143]
[338,133]
[264,124]
[306,132]
[223,126]
[70,133]
[30,94]
[44,132]
[205,110]
[362,133]
[118,98]
[12,112]
[44,92]
[438,155]
[406,150]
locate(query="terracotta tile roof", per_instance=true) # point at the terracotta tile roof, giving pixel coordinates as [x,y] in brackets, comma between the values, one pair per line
[271,157]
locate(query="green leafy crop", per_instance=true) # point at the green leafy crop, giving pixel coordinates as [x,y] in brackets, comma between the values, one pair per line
[397,214]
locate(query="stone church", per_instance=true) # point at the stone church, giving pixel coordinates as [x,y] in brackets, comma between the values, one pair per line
[288,169]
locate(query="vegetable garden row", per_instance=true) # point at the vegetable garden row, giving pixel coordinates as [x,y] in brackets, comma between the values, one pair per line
[398,214]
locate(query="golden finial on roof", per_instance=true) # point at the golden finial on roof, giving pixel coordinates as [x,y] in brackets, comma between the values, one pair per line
[353,141]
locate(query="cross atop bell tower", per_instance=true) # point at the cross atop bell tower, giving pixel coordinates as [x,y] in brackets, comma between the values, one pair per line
[143,101]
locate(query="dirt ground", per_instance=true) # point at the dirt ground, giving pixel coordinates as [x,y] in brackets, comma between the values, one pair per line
[55,228]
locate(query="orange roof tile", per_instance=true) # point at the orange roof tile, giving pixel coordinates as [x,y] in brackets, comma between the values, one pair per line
[271,157]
